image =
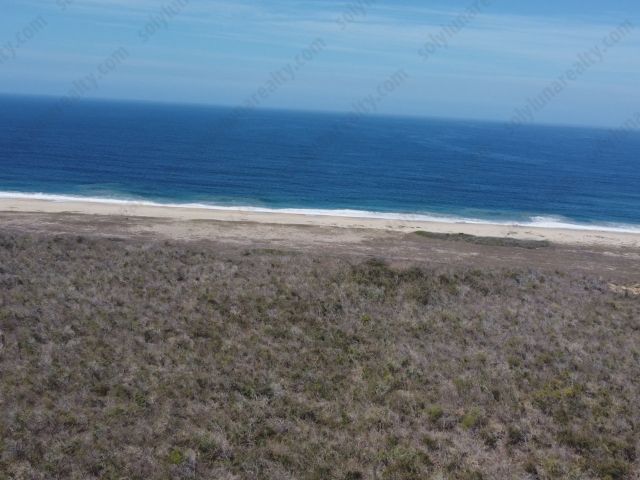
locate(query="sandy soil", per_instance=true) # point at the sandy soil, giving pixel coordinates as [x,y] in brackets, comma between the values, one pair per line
[558,236]
[616,260]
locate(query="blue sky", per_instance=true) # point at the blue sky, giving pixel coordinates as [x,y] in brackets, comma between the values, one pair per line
[220,52]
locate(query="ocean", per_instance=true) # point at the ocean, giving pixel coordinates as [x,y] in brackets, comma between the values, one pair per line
[380,166]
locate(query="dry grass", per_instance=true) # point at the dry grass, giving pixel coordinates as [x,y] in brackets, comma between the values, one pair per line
[143,361]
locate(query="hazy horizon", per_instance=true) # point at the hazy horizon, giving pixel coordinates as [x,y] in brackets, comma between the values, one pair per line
[464,60]
[328,112]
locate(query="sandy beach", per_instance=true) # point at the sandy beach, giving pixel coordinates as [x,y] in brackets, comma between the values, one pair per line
[555,235]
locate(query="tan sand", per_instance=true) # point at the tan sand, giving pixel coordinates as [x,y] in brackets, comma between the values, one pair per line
[561,236]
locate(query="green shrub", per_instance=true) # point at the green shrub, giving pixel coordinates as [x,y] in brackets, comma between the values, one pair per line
[436,413]
[490,241]
[402,461]
[473,419]
[177,456]
[430,443]
[489,437]
[515,436]
[531,467]
[614,469]
[575,441]
[209,450]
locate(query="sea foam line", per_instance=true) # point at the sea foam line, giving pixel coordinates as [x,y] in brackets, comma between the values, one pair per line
[552,222]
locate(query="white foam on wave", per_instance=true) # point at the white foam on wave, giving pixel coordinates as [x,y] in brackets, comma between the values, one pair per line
[563,223]
[553,222]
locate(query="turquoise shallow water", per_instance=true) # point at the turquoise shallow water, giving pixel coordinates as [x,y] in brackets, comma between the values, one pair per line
[380,166]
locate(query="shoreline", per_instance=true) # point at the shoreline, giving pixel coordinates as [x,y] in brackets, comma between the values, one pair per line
[565,236]
[549,221]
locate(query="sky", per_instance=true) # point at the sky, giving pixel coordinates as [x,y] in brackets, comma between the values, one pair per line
[223,52]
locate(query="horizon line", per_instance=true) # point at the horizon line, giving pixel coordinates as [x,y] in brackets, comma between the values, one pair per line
[311,111]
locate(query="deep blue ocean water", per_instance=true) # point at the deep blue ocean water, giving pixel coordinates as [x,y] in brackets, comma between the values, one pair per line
[381,166]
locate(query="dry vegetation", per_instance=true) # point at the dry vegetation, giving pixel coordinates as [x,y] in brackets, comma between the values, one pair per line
[491,241]
[143,361]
